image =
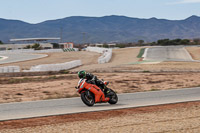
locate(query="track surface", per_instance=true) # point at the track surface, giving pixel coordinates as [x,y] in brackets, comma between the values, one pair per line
[168,53]
[16,57]
[22,110]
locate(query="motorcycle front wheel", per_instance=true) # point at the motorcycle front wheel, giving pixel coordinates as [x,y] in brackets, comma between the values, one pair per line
[87,98]
[113,98]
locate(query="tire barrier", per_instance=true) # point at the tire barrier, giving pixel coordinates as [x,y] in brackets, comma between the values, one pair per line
[55,67]
[69,49]
[106,54]
[9,69]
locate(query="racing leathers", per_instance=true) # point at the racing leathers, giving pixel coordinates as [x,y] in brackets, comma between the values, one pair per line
[90,78]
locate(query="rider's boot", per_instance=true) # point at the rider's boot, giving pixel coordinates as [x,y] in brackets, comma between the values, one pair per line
[108,92]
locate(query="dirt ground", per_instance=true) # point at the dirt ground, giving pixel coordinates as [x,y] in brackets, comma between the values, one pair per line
[122,75]
[122,60]
[126,73]
[120,57]
[194,52]
[61,57]
[172,118]
[33,88]
[126,60]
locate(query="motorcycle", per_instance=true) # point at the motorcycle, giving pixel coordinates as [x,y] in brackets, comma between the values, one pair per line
[91,93]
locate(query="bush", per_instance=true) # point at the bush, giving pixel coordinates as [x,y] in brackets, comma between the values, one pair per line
[121,45]
[64,71]
[173,42]
[27,47]
[36,46]
[105,45]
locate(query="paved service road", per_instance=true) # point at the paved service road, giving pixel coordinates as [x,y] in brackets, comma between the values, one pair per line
[168,53]
[16,57]
[21,110]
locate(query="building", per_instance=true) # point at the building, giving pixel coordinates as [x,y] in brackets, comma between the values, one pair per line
[22,46]
[45,43]
[66,45]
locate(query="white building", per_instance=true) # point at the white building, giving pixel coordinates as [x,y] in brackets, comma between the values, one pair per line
[22,46]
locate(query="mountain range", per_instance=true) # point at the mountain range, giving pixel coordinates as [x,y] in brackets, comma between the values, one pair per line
[79,29]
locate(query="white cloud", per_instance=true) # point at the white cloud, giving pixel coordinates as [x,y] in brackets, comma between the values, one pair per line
[185,2]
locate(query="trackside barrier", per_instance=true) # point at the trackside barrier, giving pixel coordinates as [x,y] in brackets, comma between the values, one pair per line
[106,57]
[32,51]
[106,54]
[96,49]
[18,51]
[55,67]
[9,69]
[69,49]
[48,51]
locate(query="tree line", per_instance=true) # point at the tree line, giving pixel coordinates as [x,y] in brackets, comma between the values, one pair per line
[161,42]
[167,42]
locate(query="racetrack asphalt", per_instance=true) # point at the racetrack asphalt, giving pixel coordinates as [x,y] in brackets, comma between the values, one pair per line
[21,110]
[17,57]
[167,53]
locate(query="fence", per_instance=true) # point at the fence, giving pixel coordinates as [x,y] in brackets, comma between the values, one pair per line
[105,57]
[55,67]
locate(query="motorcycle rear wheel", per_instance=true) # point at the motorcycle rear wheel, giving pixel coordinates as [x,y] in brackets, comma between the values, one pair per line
[87,99]
[113,98]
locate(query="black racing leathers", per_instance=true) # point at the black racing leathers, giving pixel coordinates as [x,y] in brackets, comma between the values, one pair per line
[90,78]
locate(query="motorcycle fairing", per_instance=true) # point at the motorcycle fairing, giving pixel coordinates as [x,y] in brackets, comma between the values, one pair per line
[99,95]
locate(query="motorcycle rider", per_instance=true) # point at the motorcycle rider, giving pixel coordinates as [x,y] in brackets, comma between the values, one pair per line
[90,78]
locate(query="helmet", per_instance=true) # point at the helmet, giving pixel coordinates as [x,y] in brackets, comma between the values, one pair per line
[82,74]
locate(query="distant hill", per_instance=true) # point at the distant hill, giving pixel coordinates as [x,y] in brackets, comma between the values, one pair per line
[103,29]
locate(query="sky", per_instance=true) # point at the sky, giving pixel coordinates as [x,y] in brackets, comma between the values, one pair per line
[36,11]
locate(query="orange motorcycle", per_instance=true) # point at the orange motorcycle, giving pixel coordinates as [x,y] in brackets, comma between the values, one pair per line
[91,93]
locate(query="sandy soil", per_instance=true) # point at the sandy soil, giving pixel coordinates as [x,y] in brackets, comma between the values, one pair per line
[53,58]
[194,52]
[33,88]
[126,60]
[167,118]
[176,118]
[122,60]
[29,88]
[89,59]
[120,57]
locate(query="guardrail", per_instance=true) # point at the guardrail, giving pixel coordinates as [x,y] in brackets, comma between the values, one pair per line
[55,67]
[106,54]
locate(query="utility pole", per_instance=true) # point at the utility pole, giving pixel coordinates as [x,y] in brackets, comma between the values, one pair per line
[84,40]
[61,34]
